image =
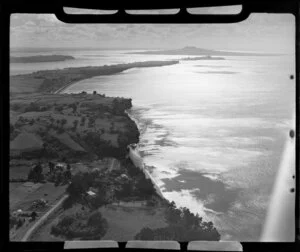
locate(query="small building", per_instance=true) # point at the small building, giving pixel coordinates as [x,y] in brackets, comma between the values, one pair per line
[60,166]
[95,170]
[124,176]
[92,192]
[90,195]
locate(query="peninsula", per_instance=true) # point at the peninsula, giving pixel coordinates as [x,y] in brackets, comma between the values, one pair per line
[54,80]
[40,58]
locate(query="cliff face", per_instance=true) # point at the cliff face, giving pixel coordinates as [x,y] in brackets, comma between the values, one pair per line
[74,126]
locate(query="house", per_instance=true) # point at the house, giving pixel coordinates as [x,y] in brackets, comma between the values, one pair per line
[91,194]
[96,170]
[61,166]
[124,176]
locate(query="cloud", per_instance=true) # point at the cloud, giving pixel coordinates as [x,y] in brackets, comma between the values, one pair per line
[263,31]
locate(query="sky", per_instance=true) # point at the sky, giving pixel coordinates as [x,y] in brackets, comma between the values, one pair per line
[260,32]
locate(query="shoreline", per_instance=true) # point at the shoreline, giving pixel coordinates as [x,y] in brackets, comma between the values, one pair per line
[51,81]
[142,167]
[120,107]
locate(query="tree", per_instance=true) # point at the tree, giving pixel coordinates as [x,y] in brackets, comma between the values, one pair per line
[82,122]
[13,220]
[51,166]
[67,175]
[145,187]
[57,122]
[84,225]
[94,92]
[112,126]
[145,234]
[59,108]
[58,178]
[63,122]
[33,215]
[80,183]
[19,222]
[74,107]
[51,120]
[36,173]
[91,122]
[75,124]
[11,128]
[15,106]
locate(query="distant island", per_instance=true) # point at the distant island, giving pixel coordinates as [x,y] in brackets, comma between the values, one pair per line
[192,50]
[40,58]
[203,58]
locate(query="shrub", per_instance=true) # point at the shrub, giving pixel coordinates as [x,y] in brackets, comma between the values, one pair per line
[13,221]
[82,226]
[60,131]
[15,106]
[182,226]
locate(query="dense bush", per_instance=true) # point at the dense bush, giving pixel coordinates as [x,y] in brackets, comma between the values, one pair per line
[182,226]
[36,174]
[144,187]
[13,221]
[101,147]
[80,184]
[32,107]
[87,226]
[178,233]
[15,106]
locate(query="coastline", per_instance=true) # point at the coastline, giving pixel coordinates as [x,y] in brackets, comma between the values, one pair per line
[90,106]
[134,156]
[50,81]
[138,162]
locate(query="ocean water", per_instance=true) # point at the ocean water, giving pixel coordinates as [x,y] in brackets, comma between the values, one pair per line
[212,132]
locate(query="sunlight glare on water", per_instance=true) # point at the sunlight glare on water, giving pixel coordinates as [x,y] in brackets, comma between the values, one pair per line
[214,131]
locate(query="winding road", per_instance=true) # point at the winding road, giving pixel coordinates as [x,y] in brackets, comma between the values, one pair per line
[43,218]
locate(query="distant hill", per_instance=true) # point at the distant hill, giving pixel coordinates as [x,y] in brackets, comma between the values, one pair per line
[40,58]
[203,58]
[192,50]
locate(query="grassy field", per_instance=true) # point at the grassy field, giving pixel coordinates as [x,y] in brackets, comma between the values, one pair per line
[19,169]
[74,126]
[125,222]
[24,194]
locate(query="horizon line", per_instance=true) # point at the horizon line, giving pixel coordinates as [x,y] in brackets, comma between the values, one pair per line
[131,48]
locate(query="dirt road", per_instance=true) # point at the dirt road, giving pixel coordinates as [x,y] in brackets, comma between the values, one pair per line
[43,218]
